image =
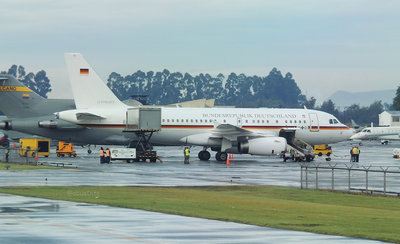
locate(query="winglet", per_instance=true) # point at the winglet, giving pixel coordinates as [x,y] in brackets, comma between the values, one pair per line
[88,89]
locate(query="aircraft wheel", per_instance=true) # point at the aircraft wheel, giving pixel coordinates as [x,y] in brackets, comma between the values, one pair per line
[89,151]
[204,155]
[221,156]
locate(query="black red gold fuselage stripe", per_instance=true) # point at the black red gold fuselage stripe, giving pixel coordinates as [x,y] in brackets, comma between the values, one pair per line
[211,127]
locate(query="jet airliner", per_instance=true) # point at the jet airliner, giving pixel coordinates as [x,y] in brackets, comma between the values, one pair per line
[256,131]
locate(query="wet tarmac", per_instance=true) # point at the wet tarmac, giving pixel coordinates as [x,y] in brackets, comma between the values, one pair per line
[35,220]
[72,222]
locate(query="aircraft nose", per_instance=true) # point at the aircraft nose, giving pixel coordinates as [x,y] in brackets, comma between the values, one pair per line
[355,137]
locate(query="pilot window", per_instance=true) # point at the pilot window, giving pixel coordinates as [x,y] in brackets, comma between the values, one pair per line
[335,121]
[331,121]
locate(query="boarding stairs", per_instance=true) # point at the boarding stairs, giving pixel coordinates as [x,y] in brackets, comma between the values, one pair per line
[297,149]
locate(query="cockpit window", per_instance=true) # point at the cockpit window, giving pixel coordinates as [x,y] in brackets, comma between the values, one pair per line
[335,121]
[331,121]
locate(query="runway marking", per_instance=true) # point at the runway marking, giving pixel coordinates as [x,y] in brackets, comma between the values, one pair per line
[98,232]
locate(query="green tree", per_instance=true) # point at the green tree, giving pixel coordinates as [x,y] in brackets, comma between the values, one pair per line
[396,100]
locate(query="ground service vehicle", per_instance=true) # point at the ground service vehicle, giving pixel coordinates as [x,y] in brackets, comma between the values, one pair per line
[31,146]
[65,149]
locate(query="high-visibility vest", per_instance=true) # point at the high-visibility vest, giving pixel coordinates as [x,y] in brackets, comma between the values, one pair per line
[187,152]
[101,153]
[355,151]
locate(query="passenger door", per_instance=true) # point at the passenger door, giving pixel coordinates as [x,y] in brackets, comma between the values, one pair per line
[314,124]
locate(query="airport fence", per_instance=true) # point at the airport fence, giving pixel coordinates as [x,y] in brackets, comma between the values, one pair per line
[352,178]
[13,155]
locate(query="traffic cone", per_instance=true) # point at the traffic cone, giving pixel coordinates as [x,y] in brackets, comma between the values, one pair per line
[36,157]
[231,155]
[227,160]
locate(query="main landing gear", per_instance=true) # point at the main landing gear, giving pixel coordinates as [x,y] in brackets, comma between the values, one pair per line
[204,155]
[221,156]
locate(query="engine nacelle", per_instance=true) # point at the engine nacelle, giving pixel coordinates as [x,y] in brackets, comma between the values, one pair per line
[5,125]
[264,146]
[48,124]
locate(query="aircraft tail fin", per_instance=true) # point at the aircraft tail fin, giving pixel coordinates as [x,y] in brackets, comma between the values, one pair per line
[17,100]
[88,88]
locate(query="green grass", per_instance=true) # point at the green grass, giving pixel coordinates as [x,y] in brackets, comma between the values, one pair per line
[17,166]
[372,217]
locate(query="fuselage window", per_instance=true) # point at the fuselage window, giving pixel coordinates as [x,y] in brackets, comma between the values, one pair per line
[286,121]
[163,120]
[224,121]
[167,120]
[196,120]
[290,121]
[247,121]
[295,121]
[187,120]
[191,120]
[305,122]
[277,121]
[201,121]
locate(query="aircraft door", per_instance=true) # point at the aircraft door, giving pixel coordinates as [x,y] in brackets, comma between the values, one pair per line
[314,124]
[239,122]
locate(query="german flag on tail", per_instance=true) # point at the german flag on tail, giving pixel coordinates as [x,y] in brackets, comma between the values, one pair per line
[84,71]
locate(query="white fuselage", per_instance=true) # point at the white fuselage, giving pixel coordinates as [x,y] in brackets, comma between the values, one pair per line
[314,127]
[378,133]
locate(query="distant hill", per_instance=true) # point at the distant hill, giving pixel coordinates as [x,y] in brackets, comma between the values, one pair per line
[344,99]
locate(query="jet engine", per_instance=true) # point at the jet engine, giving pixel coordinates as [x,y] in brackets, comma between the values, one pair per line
[264,146]
[5,125]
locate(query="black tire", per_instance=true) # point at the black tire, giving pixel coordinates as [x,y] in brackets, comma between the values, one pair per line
[89,151]
[221,156]
[328,154]
[153,160]
[204,155]
[320,154]
[129,161]
[328,159]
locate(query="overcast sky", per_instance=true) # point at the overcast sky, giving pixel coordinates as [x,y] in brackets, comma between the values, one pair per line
[327,45]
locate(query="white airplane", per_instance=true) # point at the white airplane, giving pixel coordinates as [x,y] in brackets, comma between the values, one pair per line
[385,134]
[257,131]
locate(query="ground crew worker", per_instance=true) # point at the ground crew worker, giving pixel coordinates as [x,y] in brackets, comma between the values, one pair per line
[7,153]
[352,154]
[108,155]
[357,154]
[102,155]
[186,153]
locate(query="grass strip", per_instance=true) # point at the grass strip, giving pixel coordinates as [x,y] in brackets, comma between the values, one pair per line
[18,166]
[371,217]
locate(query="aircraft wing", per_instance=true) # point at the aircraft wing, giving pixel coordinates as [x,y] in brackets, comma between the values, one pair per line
[232,132]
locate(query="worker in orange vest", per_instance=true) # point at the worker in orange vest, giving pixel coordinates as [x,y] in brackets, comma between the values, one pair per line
[102,156]
[108,155]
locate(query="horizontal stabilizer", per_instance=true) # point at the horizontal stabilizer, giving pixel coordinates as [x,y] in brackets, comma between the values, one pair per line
[88,116]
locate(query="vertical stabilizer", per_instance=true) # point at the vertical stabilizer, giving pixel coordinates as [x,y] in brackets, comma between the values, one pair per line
[88,89]
[17,100]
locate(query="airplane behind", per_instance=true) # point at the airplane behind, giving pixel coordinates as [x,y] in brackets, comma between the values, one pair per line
[257,131]
[385,134]
[30,113]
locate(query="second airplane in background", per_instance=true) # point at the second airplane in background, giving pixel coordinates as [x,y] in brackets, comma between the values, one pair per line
[257,131]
